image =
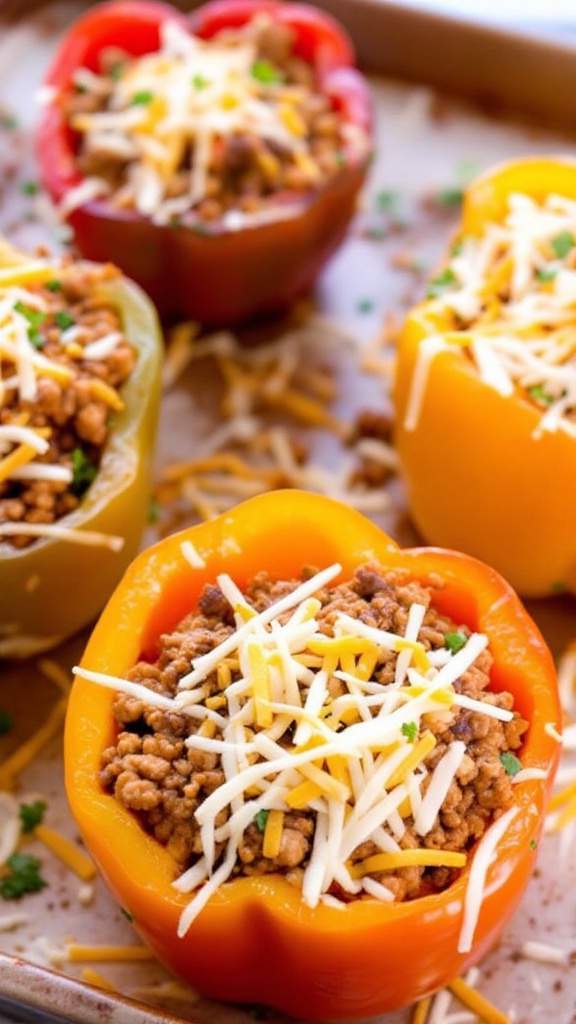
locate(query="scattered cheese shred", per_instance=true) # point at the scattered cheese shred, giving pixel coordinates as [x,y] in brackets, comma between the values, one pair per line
[29,750]
[273,834]
[66,851]
[77,953]
[478,1003]
[92,977]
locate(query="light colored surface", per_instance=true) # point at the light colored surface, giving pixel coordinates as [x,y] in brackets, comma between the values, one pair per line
[423,148]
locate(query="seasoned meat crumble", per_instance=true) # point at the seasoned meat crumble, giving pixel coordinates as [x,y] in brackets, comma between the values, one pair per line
[153,772]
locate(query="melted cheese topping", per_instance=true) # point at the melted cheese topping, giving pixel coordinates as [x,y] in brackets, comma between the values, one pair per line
[190,95]
[286,741]
[512,296]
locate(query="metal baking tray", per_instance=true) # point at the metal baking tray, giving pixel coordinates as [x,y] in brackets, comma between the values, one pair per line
[452,97]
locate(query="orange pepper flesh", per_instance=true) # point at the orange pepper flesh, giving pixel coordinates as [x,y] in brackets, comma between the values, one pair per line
[256,941]
[476,478]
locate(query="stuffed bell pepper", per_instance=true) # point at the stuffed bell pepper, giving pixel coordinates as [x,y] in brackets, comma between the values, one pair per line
[485,392]
[80,352]
[215,157]
[313,766]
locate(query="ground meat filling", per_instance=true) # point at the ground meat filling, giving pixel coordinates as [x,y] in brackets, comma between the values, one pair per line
[151,770]
[238,124]
[72,398]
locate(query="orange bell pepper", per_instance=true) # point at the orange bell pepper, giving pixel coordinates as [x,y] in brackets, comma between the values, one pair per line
[256,941]
[480,474]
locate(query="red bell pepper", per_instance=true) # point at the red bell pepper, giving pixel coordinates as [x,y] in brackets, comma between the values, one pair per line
[218,276]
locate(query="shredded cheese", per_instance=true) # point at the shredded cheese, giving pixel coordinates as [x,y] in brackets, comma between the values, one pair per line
[277,728]
[512,292]
[77,953]
[66,851]
[25,754]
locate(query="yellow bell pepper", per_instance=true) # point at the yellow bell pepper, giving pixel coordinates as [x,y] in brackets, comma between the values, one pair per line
[54,587]
[484,471]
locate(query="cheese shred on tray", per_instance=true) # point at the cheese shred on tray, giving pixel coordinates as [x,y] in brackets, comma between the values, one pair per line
[224,130]
[511,295]
[63,361]
[343,735]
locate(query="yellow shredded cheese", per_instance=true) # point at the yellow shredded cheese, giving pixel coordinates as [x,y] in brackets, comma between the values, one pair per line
[478,1003]
[66,851]
[77,953]
[273,834]
[29,750]
[407,858]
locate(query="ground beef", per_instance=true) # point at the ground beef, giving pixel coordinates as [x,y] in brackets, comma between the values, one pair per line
[150,769]
[75,419]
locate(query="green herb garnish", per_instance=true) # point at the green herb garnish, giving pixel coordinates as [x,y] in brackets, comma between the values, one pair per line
[562,244]
[35,317]
[153,511]
[455,641]
[64,319]
[83,471]
[31,815]
[547,273]
[261,817]
[53,286]
[9,122]
[533,844]
[30,188]
[23,876]
[510,763]
[365,305]
[409,730]
[142,98]
[538,394]
[444,281]
[5,722]
[265,73]
[449,197]
[199,82]
[117,70]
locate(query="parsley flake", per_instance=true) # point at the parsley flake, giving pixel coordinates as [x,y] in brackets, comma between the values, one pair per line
[199,82]
[365,305]
[547,273]
[142,98]
[35,317]
[5,722]
[53,286]
[30,188]
[31,815]
[455,641]
[64,319]
[153,511]
[83,471]
[449,197]
[265,73]
[510,763]
[23,875]
[562,244]
[538,394]
[9,122]
[261,817]
[409,730]
[443,282]
[533,844]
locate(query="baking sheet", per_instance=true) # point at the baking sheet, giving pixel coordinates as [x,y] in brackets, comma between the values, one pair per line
[427,146]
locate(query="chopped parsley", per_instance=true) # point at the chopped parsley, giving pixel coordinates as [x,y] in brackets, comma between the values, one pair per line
[30,188]
[53,286]
[116,71]
[64,319]
[562,244]
[199,82]
[444,281]
[5,722]
[547,273]
[455,641]
[449,197]
[31,815]
[265,73]
[142,98]
[22,876]
[365,305]
[538,394]
[510,763]
[533,844]
[35,318]
[457,247]
[153,510]
[387,201]
[83,471]
[409,730]
[261,817]
[9,122]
